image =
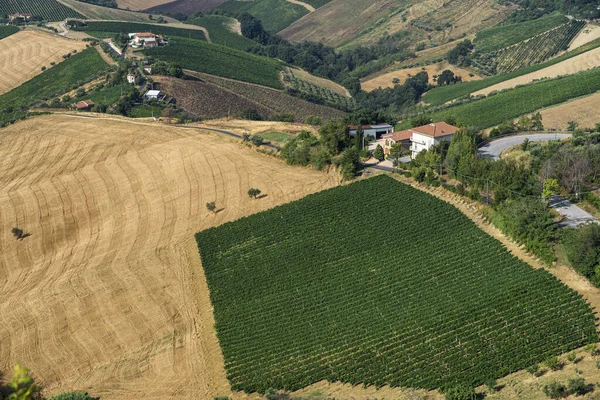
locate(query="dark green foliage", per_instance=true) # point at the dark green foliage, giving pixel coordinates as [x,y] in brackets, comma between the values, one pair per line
[292,291]
[7,30]
[447,78]
[217,26]
[132,27]
[167,69]
[103,3]
[555,390]
[50,10]
[553,363]
[65,76]
[582,248]
[275,15]
[533,369]
[72,396]
[254,193]
[460,54]
[577,386]
[221,61]
[461,392]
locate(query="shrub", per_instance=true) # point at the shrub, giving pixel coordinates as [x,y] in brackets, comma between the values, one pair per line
[572,357]
[555,390]
[577,386]
[553,363]
[533,369]
[313,120]
[257,140]
[72,396]
[461,392]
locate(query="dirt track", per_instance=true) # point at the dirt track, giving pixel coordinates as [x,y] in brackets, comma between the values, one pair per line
[23,54]
[108,295]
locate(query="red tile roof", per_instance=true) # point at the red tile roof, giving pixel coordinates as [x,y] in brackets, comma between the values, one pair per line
[145,34]
[83,104]
[436,129]
[399,136]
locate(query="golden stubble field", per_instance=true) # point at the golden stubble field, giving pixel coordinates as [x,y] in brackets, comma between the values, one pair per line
[141,4]
[23,54]
[107,295]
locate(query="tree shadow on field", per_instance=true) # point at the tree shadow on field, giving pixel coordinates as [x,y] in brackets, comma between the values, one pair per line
[262,196]
[219,210]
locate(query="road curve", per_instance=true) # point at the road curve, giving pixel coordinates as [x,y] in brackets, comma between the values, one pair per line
[494,148]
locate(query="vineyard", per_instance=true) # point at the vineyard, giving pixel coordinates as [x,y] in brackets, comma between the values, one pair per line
[325,288]
[49,10]
[131,27]
[220,33]
[315,93]
[7,30]
[513,103]
[533,51]
[219,60]
[275,15]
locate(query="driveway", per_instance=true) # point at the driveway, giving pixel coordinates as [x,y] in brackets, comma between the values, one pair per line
[574,215]
[494,148]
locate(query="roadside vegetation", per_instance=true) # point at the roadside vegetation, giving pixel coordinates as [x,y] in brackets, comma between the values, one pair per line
[527,314]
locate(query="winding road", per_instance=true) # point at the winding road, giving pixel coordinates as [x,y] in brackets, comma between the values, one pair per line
[573,214]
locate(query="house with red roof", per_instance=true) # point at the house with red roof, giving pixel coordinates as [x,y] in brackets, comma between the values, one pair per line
[83,105]
[426,136]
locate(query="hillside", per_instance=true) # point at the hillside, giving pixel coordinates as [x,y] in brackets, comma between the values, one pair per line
[23,55]
[109,28]
[138,5]
[50,10]
[275,15]
[187,7]
[213,97]
[107,295]
[92,11]
[224,30]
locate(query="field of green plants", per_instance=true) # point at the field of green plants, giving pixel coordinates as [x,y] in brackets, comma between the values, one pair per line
[443,94]
[318,94]
[275,15]
[502,36]
[111,28]
[63,77]
[7,30]
[326,288]
[530,52]
[495,109]
[50,10]
[217,26]
[219,60]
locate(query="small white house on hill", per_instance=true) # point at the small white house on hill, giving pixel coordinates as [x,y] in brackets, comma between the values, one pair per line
[131,78]
[423,137]
[152,94]
[375,131]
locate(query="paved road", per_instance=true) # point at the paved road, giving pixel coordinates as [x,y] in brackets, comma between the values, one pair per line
[494,148]
[574,214]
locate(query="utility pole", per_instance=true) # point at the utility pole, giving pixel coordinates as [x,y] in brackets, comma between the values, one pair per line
[487,185]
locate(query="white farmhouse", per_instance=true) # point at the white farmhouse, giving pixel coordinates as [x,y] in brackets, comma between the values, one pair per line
[423,137]
[152,94]
[376,131]
[130,78]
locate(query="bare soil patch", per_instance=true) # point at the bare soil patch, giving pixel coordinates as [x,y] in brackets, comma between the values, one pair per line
[386,80]
[322,82]
[23,54]
[582,62]
[587,34]
[584,111]
[108,294]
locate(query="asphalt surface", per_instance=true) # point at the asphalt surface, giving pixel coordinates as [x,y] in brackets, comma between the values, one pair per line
[573,214]
[494,148]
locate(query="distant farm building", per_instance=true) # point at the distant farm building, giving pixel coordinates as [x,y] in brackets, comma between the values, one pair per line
[426,136]
[375,131]
[402,137]
[145,39]
[131,78]
[17,16]
[148,69]
[152,95]
[83,105]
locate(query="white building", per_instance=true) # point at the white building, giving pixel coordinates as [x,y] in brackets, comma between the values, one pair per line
[131,78]
[423,137]
[145,39]
[152,94]
[376,131]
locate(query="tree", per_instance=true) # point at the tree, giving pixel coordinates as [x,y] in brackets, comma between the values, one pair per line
[359,137]
[17,233]
[253,192]
[550,188]
[167,114]
[572,125]
[334,136]
[378,153]
[536,121]
[555,390]
[460,54]
[524,123]
[396,150]
[257,140]
[582,248]
[22,385]
[212,207]
[446,78]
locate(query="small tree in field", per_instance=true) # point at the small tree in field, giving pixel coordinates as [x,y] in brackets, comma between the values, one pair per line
[17,233]
[378,153]
[254,193]
[212,207]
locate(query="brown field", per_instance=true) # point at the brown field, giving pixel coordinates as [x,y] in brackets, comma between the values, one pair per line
[137,5]
[23,54]
[338,21]
[187,6]
[214,97]
[107,295]
[322,82]
[95,12]
[385,80]
[587,34]
[582,62]
[584,111]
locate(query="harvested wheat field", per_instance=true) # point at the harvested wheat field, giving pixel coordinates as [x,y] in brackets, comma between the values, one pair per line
[137,5]
[107,295]
[587,34]
[385,80]
[588,60]
[584,111]
[23,54]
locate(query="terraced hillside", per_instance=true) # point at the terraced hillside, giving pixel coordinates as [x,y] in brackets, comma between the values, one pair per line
[433,302]
[107,295]
[275,15]
[92,11]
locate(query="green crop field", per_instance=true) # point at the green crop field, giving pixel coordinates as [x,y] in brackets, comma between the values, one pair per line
[275,15]
[217,26]
[502,36]
[443,94]
[107,27]
[504,106]
[65,76]
[328,288]
[7,30]
[221,61]
[50,10]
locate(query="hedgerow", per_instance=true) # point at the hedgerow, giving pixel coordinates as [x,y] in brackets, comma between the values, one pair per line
[378,283]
